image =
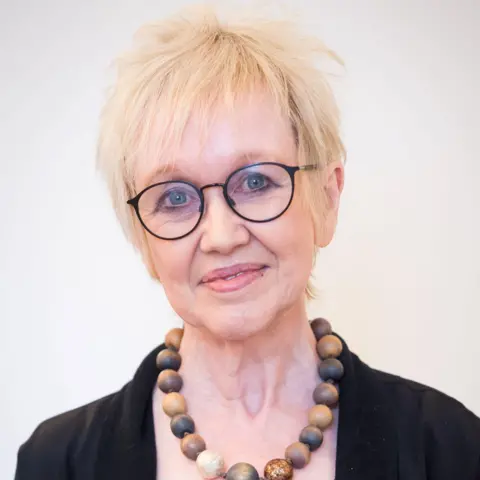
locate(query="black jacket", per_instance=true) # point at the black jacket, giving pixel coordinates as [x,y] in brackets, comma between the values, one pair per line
[389,428]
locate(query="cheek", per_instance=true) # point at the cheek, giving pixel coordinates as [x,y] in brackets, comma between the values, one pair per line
[171,262]
[291,239]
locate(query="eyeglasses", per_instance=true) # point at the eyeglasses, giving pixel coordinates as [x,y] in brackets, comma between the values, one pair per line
[258,193]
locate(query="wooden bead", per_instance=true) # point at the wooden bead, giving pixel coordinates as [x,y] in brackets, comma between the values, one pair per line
[331,369]
[174,404]
[312,437]
[169,381]
[182,424]
[320,416]
[326,394]
[168,360]
[210,464]
[242,471]
[329,346]
[298,454]
[173,338]
[192,445]
[320,327]
[278,469]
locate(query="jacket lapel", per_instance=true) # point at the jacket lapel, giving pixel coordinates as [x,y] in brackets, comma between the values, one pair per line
[367,443]
[127,447]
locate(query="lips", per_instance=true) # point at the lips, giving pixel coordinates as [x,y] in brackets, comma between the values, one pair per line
[229,273]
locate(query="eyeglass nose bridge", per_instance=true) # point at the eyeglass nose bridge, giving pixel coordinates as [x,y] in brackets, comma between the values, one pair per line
[229,200]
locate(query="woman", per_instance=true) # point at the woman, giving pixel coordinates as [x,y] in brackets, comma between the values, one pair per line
[221,148]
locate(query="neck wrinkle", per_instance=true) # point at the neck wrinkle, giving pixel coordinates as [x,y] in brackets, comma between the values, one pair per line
[276,368]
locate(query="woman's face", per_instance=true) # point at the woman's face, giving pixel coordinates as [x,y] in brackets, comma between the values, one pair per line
[272,260]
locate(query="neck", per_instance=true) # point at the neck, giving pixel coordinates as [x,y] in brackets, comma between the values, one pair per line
[274,368]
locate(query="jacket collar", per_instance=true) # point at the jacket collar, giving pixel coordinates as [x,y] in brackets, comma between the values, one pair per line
[366,441]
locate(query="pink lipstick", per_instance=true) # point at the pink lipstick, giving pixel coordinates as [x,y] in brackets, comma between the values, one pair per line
[233,278]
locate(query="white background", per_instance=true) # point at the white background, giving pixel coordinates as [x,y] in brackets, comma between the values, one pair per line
[401,282]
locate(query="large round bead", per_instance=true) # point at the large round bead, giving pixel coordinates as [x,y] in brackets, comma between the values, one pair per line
[312,437]
[242,471]
[331,369]
[173,338]
[320,416]
[210,464]
[326,394]
[278,469]
[329,346]
[320,327]
[169,381]
[298,453]
[182,424]
[168,360]
[173,404]
[192,445]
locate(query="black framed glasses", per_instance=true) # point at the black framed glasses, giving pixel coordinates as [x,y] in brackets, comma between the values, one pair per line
[259,193]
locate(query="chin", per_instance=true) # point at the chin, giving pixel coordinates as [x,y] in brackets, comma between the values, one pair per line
[235,327]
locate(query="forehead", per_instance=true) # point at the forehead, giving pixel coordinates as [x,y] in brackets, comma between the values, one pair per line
[211,146]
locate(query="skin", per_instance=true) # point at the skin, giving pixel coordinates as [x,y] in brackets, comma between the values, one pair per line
[249,360]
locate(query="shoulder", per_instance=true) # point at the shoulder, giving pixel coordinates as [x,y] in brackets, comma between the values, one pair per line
[50,450]
[436,409]
[437,426]
[76,443]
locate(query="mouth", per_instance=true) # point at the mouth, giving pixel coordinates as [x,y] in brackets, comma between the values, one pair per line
[233,278]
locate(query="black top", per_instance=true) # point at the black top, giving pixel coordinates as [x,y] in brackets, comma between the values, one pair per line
[389,428]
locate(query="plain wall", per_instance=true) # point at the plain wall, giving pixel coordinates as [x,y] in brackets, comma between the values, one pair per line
[401,281]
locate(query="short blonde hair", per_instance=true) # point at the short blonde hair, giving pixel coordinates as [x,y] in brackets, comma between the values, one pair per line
[195,62]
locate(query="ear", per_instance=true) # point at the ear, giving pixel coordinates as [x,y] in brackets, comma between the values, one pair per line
[333,180]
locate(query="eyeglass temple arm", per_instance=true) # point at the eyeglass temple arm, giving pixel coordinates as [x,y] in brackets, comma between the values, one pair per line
[307,167]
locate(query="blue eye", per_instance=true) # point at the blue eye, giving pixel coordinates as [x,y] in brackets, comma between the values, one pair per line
[256,181]
[177,198]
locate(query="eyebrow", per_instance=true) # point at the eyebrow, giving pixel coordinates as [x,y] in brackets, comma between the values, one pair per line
[171,172]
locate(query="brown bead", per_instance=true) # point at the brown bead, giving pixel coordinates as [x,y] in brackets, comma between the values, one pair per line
[329,346]
[298,453]
[331,369]
[320,416]
[169,381]
[278,469]
[174,404]
[168,360]
[320,327]
[173,338]
[192,445]
[326,394]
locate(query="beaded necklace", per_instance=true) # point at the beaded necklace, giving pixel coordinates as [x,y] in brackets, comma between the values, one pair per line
[297,455]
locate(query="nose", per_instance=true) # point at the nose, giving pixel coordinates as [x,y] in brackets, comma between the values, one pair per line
[222,231]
